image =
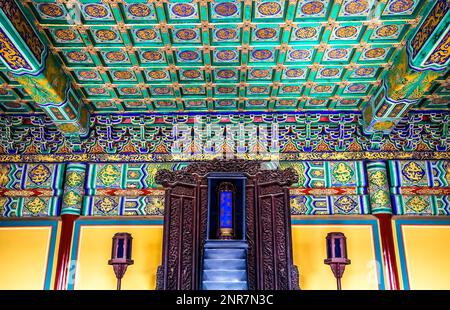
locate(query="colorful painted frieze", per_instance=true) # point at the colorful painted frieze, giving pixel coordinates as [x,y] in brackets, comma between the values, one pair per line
[122,176]
[29,206]
[421,205]
[328,205]
[123,206]
[32,176]
[433,173]
[328,174]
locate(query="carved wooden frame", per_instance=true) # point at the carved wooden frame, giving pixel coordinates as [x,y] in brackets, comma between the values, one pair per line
[267,217]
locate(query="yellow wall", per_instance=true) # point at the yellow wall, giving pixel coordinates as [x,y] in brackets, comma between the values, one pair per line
[24,254]
[309,250]
[427,252]
[94,251]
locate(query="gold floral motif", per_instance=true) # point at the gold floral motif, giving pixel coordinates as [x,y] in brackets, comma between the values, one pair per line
[11,55]
[294,73]
[441,53]
[155,206]
[3,202]
[36,205]
[106,205]
[338,53]
[298,207]
[146,34]
[191,74]
[378,178]
[226,55]
[266,33]
[72,199]
[428,26]
[157,74]
[346,32]
[413,172]
[323,88]
[186,34]
[4,174]
[77,56]
[417,204]
[129,90]
[356,6]
[342,172]
[226,33]
[291,89]
[312,8]
[74,179]
[51,10]
[269,8]
[39,174]
[380,197]
[225,9]
[329,72]
[345,203]
[115,56]
[364,71]
[226,74]
[106,35]
[65,34]
[96,10]
[88,75]
[123,75]
[400,6]
[375,53]
[109,174]
[259,73]
[183,9]
[305,32]
[139,10]
[189,55]
[387,30]
[152,56]
[258,89]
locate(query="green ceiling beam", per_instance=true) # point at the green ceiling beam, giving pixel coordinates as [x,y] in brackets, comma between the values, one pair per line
[34,67]
[424,59]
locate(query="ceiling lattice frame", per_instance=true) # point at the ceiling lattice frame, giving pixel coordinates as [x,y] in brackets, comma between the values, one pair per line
[167,56]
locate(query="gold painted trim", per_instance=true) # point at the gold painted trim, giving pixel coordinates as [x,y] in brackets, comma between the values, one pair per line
[375,155]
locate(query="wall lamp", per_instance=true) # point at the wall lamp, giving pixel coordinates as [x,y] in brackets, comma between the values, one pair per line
[337,255]
[121,255]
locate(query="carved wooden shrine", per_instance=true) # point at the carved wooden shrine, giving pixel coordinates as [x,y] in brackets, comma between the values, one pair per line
[267,225]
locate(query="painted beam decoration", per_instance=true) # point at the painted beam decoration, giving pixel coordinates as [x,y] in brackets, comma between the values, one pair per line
[300,136]
[24,53]
[420,187]
[424,59]
[30,189]
[380,199]
[74,188]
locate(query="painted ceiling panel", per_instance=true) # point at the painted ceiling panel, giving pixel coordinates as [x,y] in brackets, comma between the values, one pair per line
[151,56]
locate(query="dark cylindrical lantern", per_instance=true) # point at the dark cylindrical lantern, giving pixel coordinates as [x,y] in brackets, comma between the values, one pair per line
[337,255]
[121,255]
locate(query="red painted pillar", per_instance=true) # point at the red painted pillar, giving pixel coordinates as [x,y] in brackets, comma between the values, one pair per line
[63,264]
[388,249]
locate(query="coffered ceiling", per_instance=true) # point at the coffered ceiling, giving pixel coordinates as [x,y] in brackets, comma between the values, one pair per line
[200,56]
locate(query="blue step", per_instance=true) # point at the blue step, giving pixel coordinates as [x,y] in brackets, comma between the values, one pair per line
[224,253]
[225,285]
[224,275]
[224,264]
